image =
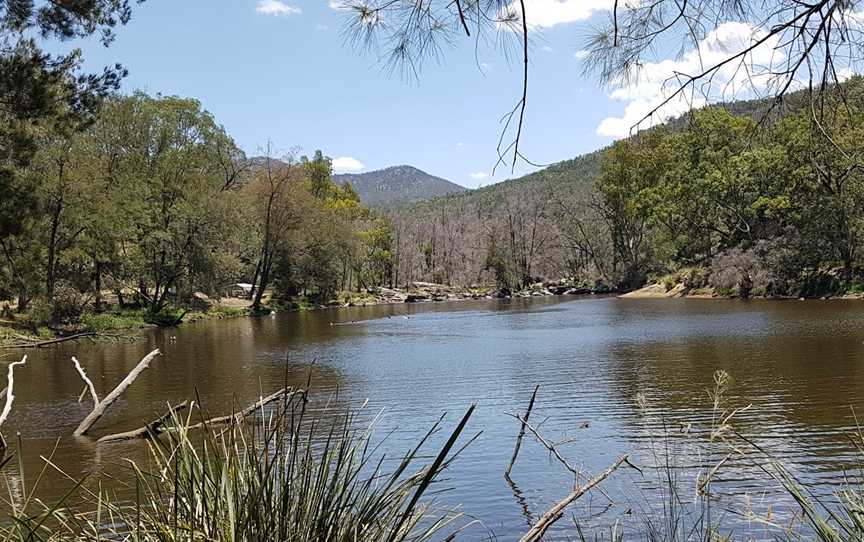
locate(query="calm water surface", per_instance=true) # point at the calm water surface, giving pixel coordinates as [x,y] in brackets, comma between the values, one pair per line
[800,365]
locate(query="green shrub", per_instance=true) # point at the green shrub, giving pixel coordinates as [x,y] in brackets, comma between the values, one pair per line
[167,317]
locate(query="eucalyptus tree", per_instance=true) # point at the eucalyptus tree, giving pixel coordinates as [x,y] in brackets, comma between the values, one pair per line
[184,222]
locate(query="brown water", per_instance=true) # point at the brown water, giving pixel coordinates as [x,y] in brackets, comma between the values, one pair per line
[800,364]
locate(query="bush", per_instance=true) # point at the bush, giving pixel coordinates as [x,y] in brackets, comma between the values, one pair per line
[167,317]
[68,304]
[741,272]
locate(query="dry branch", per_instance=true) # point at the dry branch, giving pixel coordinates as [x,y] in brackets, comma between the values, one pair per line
[555,513]
[521,432]
[10,397]
[87,381]
[101,407]
[148,431]
[239,416]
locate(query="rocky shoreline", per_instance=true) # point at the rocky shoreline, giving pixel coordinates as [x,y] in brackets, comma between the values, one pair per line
[428,292]
[681,291]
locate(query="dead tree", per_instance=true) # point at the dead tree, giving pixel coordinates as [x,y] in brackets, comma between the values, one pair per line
[100,407]
[10,397]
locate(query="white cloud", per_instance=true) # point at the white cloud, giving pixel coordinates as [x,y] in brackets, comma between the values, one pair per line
[580,54]
[460,144]
[656,81]
[276,8]
[845,74]
[548,13]
[347,164]
[547,49]
[477,175]
[336,4]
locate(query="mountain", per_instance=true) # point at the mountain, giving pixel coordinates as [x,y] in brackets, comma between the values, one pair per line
[397,185]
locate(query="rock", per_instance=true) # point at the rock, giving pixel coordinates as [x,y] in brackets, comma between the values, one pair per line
[416,297]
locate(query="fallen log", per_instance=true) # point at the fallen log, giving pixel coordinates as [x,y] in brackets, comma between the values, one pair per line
[100,408]
[42,344]
[239,416]
[556,512]
[150,430]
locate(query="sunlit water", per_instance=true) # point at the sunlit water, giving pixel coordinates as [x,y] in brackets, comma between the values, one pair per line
[615,376]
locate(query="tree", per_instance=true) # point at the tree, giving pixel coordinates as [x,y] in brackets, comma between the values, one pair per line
[42,92]
[275,189]
[182,218]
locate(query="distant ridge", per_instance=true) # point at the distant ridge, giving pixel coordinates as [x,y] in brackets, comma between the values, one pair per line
[397,185]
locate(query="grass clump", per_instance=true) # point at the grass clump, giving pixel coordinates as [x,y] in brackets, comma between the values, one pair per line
[113,321]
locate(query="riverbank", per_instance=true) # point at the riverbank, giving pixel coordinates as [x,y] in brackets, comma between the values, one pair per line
[116,321]
[680,290]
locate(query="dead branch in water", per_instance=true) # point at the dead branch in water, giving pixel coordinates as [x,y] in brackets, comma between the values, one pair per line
[10,397]
[150,430]
[87,381]
[100,408]
[556,512]
[239,416]
[551,447]
[521,432]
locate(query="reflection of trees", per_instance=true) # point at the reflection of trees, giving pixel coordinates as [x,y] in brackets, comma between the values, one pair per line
[802,381]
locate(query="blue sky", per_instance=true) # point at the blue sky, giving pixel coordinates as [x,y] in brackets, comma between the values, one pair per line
[279,70]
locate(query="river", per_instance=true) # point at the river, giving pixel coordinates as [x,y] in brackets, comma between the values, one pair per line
[615,376]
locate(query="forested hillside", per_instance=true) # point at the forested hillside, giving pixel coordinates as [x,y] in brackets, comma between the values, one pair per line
[397,185]
[747,198]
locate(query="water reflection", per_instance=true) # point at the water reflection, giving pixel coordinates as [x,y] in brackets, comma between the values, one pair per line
[798,364]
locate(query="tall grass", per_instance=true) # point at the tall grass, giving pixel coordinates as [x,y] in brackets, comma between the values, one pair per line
[281,477]
[287,476]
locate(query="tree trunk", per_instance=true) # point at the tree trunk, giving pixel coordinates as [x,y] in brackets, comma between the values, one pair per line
[97,286]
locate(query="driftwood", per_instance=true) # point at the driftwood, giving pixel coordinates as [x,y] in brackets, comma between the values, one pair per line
[100,408]
[521,432]
[239,416]
[42,344]
[10,397]
[150,430]
[87,381]
[556,512]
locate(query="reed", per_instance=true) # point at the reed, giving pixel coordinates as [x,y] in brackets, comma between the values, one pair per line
[279,476]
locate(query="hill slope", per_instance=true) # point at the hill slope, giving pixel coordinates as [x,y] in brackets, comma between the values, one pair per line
[397,185]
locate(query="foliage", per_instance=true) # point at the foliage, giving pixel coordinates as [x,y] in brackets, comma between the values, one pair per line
[769,212]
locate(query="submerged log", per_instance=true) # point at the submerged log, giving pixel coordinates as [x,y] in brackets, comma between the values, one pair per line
[100,408]
[42,344]
[150,430]
[239,416]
